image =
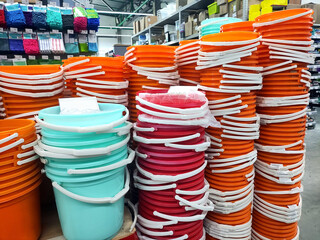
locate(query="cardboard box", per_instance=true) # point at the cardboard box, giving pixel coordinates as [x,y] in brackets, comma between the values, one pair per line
[240,14]
[181,3]
[223,9]
[253,2]
[137,23]
[232,9]
[293,6]
[190,1]
[188,28]
[134,27]
[316,9]
[295,2]
[220,2]
[149,20]
[142,26]
[202,16]
[169,28]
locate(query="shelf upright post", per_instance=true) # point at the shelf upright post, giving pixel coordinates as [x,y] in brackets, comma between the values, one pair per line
[149,40]
[245,7]
[180,20]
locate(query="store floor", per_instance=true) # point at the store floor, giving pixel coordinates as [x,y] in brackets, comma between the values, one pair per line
[310,220]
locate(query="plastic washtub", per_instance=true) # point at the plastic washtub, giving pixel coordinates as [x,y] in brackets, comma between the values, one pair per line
[108,113]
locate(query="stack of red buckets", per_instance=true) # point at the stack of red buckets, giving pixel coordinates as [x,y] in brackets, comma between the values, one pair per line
[20,177]
[173,193]
[282,106]
[99,77]
[186,59]
[149,67]
[229,68]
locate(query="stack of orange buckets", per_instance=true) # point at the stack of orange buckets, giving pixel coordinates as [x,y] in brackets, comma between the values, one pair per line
[282,106]
[149,67]
[229,68]
[20,177]
[186,59]
[27,89]
[99,77]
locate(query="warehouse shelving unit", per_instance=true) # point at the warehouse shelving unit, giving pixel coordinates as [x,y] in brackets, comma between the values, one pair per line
[180,14]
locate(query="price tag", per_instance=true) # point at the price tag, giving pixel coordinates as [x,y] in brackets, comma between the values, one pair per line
[84,32]
[70,31]
[13,29]
[92,31]
[55,31]
[66,5]
[45,57]
[1,29]
[10,1]
[39,3]
[29,30]
[69,56]
[53,4]
[56,58]
[25,2]
[3,57]
[71,40]
[18,56]
[82,55]
[32,57]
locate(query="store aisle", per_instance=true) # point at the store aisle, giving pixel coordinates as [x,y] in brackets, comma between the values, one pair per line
[310,223]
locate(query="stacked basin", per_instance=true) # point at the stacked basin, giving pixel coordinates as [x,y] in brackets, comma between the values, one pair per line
[173,193]
[27,89]
[186,59]
[85,157]
[100,77]
[20,177]
[282,105]
[212,25]
[229,68]
[149,67]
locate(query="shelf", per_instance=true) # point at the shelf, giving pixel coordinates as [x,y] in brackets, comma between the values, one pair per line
[310,113]
[315,37]
[314,100]
[314,66]
[315,77]
[196,5]
[316,25]
[171,43]
[314,87]
[316,46]
[193,36]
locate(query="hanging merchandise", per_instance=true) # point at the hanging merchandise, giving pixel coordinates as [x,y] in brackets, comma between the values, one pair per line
[92,43]
[16,42]
[186,59]
[173,193]
[20,177]
[39,17]
[30,43]
[14,15]
[4,42]
[32,60]
[6,62]
[99,77]
[27,12]
[282,105]
[83,43]
[19,62]
[230,75]
[149,67]
[93,19]
[44,43]
[54,19]
[71,43]
[212,25]
[80,19]
[34,87]
[85,156]
[56,43]
[67,18]
[3,23]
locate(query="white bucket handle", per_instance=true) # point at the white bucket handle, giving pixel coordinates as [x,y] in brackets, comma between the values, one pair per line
[119,164]
[98,128]
[163,140]
[33,95]
[105,200]
[11,145]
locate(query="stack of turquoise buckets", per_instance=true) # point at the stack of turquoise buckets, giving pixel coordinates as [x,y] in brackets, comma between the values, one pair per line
[212,25]
[85,156]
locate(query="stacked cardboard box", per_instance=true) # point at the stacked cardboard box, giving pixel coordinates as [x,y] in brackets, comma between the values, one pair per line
[143,23]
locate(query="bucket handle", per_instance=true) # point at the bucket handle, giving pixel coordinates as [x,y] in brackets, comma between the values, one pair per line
[196,147]
[105,168]
[95,200]
[11,145]
[98,128]
[164,140]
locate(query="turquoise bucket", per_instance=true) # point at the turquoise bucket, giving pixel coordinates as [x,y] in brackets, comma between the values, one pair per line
[83,211]
[216,24]
[108,113]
